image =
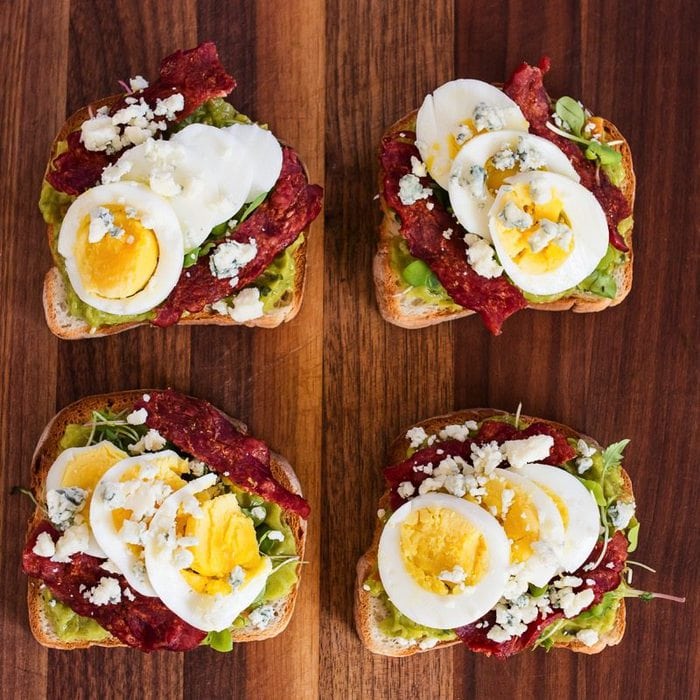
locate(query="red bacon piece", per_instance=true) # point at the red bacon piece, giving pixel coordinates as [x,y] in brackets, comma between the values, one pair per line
[606,577]
[404,471]
[526,88]
[291,206]
[422,225]
[196,427]
[197,74]
[144,623]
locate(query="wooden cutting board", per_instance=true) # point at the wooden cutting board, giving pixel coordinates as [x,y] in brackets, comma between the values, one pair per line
[333,388]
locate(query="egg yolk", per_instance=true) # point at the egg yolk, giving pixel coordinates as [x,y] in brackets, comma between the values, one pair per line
[561,506]
[516,242]
[86,468]
[435,541]
[520,520]
[225,539]
[116,266]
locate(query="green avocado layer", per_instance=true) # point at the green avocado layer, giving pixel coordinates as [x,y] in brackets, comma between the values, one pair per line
[69,626]
[276,282]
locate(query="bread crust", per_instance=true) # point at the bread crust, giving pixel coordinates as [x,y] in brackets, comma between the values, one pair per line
[48,449]
[391,289]
[68,327]
[367,609]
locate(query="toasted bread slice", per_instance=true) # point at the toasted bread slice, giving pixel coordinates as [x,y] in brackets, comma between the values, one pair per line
[48,449]
[64,325]
[369,609]
[397,308]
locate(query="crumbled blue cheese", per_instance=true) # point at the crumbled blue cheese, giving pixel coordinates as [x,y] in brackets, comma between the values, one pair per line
[230,257]
[458,431]
[428,643]
[514,615]
[44,546]
[109,566]
[275,536]
[540,192]
[152,441]
[261,617]
[102,224]
[584,462]
[236,577]
[132,532]
[75,539]
[482,257]
[549,231]
[106,592]
[620,514]
[562,595]
[137,417]
[411,190]
[247,305]
[463,134]
[475,180]
[258,513]
[138,83]
[447,234]
[486,458]
[588,637]
[528,155]
[514,217]
[532,449]
[417,436]
[487,117]
[198,468]
[504,159]
[129,126]
[418,167]
[63,504]
[455,575]
[406,489]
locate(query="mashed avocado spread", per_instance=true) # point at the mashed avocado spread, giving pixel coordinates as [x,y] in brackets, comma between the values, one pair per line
[275,284]
[69,626]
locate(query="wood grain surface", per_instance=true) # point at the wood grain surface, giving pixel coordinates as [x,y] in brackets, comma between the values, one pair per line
[331,389]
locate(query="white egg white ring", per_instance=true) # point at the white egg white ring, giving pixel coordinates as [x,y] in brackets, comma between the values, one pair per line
[265,156]
[205,612]
[442,112]
[545,560]
[581,534]
[428,608]
[102,523]
[155,213]
[54,480]
[588,225]
[473,212]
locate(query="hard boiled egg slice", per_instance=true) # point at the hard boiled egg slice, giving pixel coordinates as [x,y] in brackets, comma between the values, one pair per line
[202,556]
[265,156]
[549,232]
[456,112]
[124,502]
[443,561]
[483,164]
[577,507]
[532,524]
[122,246]
[83,467]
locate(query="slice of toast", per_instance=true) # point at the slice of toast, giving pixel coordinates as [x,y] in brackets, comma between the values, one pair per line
[48,449]
[69,327]
[369,610]
[409,312]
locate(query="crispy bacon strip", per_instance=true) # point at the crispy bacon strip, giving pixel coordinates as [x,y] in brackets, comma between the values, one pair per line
[422,225]
[606,577]
[291,206]
[526,88]
[144,622]
[197,74]
[196,427]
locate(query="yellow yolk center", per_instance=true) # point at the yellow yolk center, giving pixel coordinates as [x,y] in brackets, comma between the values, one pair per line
[437,540]
[116,267]
[225,540]
[516,242]
[561,506]
[86,468]
[519,520]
